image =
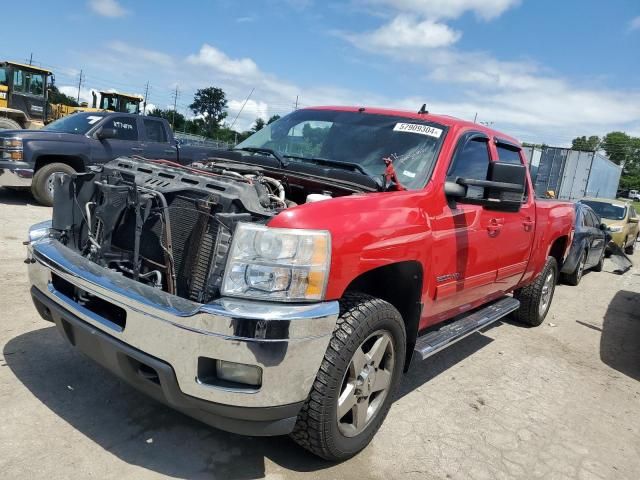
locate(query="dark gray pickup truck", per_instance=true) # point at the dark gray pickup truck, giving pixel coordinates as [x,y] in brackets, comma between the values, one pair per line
[35,158]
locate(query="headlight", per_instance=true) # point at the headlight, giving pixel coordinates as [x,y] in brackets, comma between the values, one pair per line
[277,263]
[39,230]
[615,228]
[11,148]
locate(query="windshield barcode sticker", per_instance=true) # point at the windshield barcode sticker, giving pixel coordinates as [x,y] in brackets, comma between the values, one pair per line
[418,128]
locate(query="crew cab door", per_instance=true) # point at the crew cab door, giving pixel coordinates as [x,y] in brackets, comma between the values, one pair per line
[515,238]
[157,141]
[466,240]
[124,143]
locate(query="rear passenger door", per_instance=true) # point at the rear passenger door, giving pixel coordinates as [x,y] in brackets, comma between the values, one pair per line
[156,141]
[516,238]
[124,144]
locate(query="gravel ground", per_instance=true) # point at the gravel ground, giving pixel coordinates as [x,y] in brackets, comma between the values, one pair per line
[558,401]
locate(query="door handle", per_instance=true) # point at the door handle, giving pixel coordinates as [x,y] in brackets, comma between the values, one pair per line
[137,149]
[528,224]
[495,225]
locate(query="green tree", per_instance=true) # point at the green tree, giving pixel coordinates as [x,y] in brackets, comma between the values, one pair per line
[622,149]
[176,118]
[259,125]
[585,144]
[56,97]
[272,119]
[211,103]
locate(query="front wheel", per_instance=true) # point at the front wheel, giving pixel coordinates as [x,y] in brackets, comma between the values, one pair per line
[632,247]
[355,385]
[574,277]
[535,299]
[44,180]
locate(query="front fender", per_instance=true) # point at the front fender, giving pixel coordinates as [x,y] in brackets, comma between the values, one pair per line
[367,231]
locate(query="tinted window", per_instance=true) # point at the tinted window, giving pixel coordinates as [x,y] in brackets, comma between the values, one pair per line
[154,131]
[587,218]
[126,127]
[34,83]
[508,155]
[594,218]
[471,161]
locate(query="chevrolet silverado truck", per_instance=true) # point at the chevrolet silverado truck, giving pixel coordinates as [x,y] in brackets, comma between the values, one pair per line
[284,286]
[34,158]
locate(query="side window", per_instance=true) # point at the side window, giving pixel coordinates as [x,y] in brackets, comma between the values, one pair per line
[34,83]
[585,221]
[596,221]
[471,161]
[18,81]
[508,155]
[154,131]
[126,127]
[632,212]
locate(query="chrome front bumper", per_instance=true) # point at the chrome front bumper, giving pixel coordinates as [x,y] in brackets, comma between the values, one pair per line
[287,342]
[12,175]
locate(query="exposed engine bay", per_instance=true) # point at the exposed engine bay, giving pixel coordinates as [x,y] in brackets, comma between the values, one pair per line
[166,225]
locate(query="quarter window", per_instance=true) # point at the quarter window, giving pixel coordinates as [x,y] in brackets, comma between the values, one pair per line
[126,128]
[18,80]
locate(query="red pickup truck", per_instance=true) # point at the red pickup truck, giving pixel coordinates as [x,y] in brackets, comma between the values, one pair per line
[283,287]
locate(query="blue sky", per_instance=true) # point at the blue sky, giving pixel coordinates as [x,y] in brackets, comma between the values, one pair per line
[541,70]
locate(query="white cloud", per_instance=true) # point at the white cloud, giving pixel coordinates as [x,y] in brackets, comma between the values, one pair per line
[634,24]
[407,32]
[433,9]
[149,56]
[212,57]
[107,8]
[251,111]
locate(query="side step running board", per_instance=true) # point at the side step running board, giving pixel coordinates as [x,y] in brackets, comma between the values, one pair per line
[436,340]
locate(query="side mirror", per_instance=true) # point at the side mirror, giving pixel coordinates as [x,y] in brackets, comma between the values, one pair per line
[106,133]
[633,220]
[603,227]
[503,189]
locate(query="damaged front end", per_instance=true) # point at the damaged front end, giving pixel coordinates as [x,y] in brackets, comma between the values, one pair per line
[166,227]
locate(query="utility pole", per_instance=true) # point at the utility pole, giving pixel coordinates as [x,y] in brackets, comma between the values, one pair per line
[296,107]
[79,85]
[475,118]
[175,103]
[146,95]
[31,58]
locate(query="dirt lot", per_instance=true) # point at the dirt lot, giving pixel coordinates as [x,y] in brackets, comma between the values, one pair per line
[558,401]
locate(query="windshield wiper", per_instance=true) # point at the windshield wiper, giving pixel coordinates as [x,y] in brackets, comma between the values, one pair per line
[332,163]
[269,151]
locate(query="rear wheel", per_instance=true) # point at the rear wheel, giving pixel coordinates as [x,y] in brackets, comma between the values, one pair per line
[43,183]
[535,299]
[357,379]
[631,247]
[600,265]
[574,277]
[8,124]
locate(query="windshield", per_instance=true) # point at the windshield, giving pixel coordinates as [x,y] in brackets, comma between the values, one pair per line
[608,211]
[79,123]
[354,138]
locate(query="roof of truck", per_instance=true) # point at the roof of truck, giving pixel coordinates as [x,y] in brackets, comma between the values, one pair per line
[29,67]
[445,120]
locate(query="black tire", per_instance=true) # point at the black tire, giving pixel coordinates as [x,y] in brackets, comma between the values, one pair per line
[317,427]
[574,277]
[631,248]
[530,312]
[600,265]
[40,183]
[8,124]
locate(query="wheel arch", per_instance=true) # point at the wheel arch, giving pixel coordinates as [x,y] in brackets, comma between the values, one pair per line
[400,284]
[73,161]
[559,249]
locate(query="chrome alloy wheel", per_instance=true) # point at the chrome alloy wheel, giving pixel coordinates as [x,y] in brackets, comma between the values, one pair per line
[547,293]
[366,383]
